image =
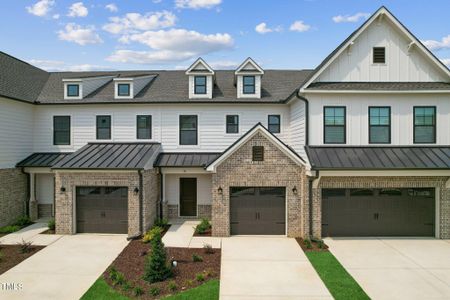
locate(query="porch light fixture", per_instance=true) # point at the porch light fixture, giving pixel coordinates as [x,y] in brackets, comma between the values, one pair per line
[294,190]
[136,190]
[220,190]
[62,189]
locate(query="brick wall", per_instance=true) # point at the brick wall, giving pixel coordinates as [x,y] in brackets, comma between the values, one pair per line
[151,182]
[13,195]
[277,170]
[203,211]
[385,182]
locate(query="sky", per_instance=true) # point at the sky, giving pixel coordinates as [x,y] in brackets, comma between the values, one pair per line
[87,35]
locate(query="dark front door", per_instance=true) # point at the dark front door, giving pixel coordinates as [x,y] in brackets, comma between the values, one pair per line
[258,210]
[188,197]
[102,209]
[378,212]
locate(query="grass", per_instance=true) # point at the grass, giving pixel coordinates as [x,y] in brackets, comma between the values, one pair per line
[338,281]
[100,290]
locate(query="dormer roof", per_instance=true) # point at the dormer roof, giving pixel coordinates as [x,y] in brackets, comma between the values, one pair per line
[199,67]
[249,66]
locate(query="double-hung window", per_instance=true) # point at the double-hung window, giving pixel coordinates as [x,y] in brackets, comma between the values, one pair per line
[61,130]
[144,127]
[379,125]
[103,127]
[232,123]
[424,125]
[334,125]
[274,123]
[188,130]
[248,86]
[200,85]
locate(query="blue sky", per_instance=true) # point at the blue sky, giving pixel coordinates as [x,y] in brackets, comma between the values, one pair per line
[170,34]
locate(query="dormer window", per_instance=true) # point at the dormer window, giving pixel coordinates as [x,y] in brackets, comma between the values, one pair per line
[79,88]
[200,85]
[248,85]
[73,90]
[379,55]
[123,89]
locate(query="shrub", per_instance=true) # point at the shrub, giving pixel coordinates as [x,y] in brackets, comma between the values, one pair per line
[208,249]
[138,291]
[51,224]
[126,287]
[189,282]
[307,244]
[149,235]
[23,221]
[25,247]
[120,279]
[208,273]
[196,258]
[320,244]
[200,277]
[161,222]
[113,273]
[172,286]
[154,291]
[156,267]
[9,229]
[203,226]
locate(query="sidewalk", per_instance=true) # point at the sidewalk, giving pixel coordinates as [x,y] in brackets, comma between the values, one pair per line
[181,235]
[33,234]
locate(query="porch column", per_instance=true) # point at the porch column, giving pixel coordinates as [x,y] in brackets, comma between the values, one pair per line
[33,207]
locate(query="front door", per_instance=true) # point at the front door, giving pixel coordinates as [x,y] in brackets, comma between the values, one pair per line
[188,197]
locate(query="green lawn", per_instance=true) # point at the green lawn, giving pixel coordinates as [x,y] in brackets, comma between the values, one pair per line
[100,290]
[338,281]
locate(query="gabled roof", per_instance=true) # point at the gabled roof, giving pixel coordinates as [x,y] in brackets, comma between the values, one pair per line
[255,68]
[258,128]
[382,11]
[199,67]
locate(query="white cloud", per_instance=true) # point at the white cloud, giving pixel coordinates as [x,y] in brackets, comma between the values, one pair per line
[197,4]
[80,35]
[41,8]
[170,46]
[56,16]
[263,29]
[350,18]
[56,65]
[444,43]
[446,61]
[78,10]
[299,26]
[136,21]
[112,7]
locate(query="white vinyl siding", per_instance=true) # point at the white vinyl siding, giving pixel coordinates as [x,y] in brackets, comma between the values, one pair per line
[357,116]
[16,139]
[298,126]
[204,188]
[45,187]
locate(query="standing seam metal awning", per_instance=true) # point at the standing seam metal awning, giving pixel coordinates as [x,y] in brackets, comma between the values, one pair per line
[185,159]
[42,160]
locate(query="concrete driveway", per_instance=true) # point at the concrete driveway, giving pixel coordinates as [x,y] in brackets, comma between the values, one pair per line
[267,268]
[396,268]
[65,269]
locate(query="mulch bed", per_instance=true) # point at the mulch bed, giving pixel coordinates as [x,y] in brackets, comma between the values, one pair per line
[206,233]
[131,263]
[48,231]
[12,256]
[314,244]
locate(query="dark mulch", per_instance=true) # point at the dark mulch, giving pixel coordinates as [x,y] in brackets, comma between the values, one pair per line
[314,244]
[48,231]
[12,256]
[206,233]
[131,263]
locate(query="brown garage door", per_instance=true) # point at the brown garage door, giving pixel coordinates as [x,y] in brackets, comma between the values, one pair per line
[378,212]
[257,210]
[102,209]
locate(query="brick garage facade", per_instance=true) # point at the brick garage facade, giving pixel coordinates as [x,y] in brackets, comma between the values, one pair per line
[171,212]
[13,195]
[277,170]
[64,201]
[385,182]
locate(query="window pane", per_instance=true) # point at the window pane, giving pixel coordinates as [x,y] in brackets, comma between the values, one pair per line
[61,130]
[144,127]
[188,130]
[200,80]
[188,122]
[424,124]
[339,112]
[326,193]
[274,123]
[379,134]
[200,84]
[103,127]
[334,134]
[361,192]
[424,134]
[188,138]
[123,89]
[249,80]
[232,124]
[390,192]
[249,89]
[73,90]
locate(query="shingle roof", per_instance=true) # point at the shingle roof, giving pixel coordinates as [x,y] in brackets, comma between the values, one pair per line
[380,86]
[172,86]
[367,157]
[185,159]
[20,80]
[46,160]
[112,156]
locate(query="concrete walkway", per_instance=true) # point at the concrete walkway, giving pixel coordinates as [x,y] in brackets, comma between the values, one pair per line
[33,234]
[396,268]
[180,235]
[65,269]
[267,268]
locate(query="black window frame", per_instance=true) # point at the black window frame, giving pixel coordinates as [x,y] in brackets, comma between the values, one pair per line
[97,127]
[149,129]
[227,124]
[118,89]
[325,126]
[434,124]
[181,130]
[389,126]
[257,153]
[374,55]
[244,85]
[69,131]
[269,125]
[72,85]
[200,85]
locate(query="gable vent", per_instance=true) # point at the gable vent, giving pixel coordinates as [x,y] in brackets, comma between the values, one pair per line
[258,153]
[379,55]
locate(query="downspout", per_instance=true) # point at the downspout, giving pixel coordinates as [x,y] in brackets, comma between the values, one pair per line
[27,200]
[161,194]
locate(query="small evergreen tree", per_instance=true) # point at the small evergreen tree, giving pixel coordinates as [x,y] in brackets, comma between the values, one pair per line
[156,268]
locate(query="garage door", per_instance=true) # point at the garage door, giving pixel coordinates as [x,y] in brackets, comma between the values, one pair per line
[257,210]
[102,209]
[378,212]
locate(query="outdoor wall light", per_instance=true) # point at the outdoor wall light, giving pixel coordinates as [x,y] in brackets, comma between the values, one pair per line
[294,190]
[220,191]
[62,189]
[136,190]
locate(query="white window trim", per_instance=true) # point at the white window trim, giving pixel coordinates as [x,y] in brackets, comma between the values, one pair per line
[112,127]
[198,130]
[80,90]
[63,147]
[239,124]
[151,127]
[116,89]
[281,122]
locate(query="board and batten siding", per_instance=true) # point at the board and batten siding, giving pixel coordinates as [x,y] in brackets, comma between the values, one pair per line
[45,188]
[16,139]
[357,108]
[355,63]
[212,136]
[204,188]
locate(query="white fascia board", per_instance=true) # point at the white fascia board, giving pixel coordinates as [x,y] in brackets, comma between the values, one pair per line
[249,60]
[208,70]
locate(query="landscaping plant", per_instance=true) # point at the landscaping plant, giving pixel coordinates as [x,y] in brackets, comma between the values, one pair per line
[25,247]
[172,286]
[161,222]
[307,244]
[154,291]
[138,291]
[156,267]
[196,258]
[208,249]
[200,277]
[51,224]
[203,227]
[9,229]
[149,235]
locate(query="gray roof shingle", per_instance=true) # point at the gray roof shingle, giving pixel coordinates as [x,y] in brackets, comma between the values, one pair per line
[380,86]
